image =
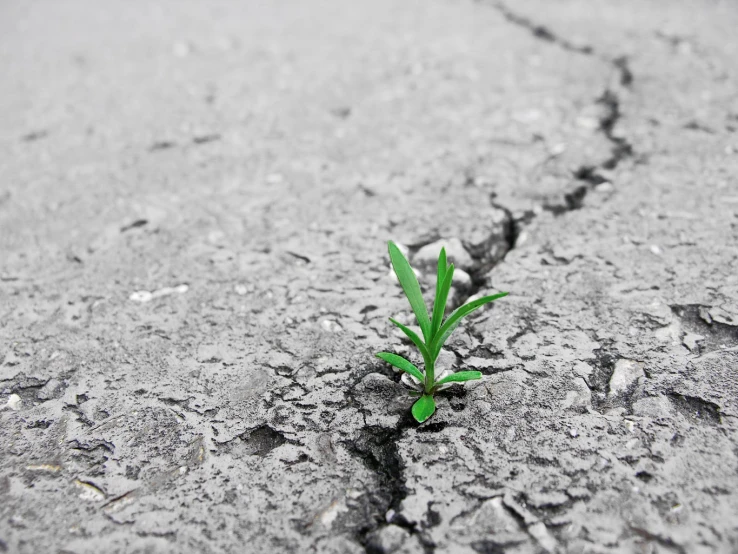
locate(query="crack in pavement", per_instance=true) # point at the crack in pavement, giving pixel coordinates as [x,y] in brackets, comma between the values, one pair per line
[266,419]
[539,31]
[621,149]
[377,446]
[587,176]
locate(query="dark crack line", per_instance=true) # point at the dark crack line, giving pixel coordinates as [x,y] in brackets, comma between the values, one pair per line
[480,276]
[588,176]
[540,31]
[377,448]
[621,148]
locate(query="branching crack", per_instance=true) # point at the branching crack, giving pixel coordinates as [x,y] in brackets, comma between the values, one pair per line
[588,176]
[377,447]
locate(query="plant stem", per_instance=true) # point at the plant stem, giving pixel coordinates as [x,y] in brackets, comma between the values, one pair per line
[430,373]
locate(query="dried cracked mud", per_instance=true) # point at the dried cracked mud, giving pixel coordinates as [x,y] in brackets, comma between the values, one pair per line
[194,204]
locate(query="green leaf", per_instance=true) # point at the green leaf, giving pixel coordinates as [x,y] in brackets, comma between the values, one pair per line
[413,336]
[460,377]
[424,408]
[409,283]
[455,318]
[440,277]
[439,307]
[442,264]
[402,364]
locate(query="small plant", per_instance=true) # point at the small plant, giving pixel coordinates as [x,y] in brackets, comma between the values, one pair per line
[435,331]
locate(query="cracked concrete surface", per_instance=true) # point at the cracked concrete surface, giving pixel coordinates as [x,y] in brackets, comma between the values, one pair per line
[194,205]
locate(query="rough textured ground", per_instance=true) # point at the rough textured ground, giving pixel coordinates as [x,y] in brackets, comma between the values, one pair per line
[194,204]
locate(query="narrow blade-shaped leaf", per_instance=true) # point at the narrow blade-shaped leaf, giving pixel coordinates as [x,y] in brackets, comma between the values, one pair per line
[440,278]
[424,408]
[413,336]
[439,307]
[409,284]
[455,318]
[460,377]
[402,364]
[442,264]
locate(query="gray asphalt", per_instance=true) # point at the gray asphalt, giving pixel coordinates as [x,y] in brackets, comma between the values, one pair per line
[195,199]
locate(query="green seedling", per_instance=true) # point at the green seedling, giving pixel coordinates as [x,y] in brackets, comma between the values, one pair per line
[435,331]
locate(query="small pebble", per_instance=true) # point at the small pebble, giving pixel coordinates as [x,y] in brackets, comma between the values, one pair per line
[461,278]
[141,296]
[331,326]
[427,257]
[144,296]
[14,402]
